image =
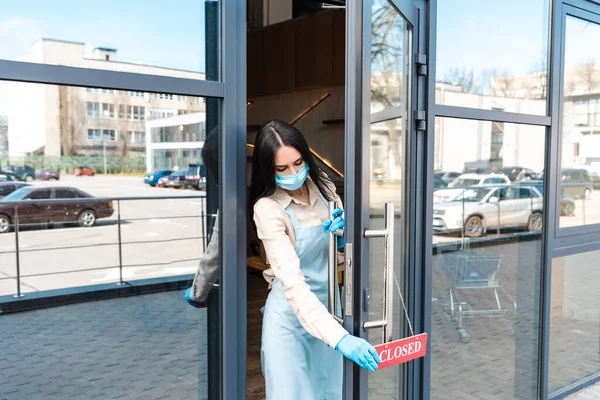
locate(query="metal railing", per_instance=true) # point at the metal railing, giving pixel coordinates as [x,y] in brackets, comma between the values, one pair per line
[17,228]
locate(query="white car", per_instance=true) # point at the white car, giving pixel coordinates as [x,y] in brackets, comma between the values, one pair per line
[465,181]
[486,208]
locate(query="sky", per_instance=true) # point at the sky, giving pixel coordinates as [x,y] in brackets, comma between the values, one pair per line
[166,33]
[508,35]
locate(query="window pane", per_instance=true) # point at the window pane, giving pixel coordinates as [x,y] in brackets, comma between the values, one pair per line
[580,156]
[486,242]
[128,228]
[390,55]
[158,38]
[574,319]
[484,62]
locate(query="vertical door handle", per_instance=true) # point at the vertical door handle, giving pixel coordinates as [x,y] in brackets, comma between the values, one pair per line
[332,264]
[387,323]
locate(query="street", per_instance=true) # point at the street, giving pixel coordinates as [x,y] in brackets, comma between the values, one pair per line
[160,238]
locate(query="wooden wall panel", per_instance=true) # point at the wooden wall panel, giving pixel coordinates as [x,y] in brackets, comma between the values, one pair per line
[339,49]
[297,55]
[279,58]
[255,64]
[314,51]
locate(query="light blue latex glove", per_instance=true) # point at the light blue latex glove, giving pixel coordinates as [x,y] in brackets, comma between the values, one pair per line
[188,298]
[337,223]
[359,351]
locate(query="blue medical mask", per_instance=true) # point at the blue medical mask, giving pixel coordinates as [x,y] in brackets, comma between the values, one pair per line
[293,181]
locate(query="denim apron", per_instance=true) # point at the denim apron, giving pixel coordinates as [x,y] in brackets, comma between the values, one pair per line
[295,364]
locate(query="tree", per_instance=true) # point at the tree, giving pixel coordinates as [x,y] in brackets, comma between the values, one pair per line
[586,71]
[463,78]
[504,85]
[388,40]
[3,136]
[72,119]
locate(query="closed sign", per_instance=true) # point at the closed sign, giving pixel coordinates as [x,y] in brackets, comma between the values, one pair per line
[401,351]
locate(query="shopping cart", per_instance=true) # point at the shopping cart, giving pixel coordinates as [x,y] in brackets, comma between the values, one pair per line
[467,270]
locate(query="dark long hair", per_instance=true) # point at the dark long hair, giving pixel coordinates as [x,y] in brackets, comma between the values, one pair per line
[271,136]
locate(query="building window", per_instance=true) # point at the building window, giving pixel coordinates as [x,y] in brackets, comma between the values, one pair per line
[158,113]
[100,110]
[182,112]
[99,135]
[132,93]
[98,90]
[137,113]
[163,96]
[136,137]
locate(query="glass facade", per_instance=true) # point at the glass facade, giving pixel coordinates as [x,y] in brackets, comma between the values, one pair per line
[580,139]
[575,319]
[492,163]
[486,263]
[163,38]
[483,62]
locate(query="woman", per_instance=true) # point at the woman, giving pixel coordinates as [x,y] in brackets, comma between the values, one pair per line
[300,337]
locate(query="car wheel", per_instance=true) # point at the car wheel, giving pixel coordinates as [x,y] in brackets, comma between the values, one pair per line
[152,185]
[474,226]
[28,178]
[4,224]
[87,218]
[536,222]
[569,209]
[587,194]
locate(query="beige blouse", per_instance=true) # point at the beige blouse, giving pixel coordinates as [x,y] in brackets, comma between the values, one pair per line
[276,231]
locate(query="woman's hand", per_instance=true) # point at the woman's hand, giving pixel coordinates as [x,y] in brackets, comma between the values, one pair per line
[336,224]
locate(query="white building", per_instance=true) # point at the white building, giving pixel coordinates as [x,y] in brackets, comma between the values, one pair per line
[54,120]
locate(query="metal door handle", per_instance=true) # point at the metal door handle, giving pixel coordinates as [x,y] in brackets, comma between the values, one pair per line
[332,261]
[387,323]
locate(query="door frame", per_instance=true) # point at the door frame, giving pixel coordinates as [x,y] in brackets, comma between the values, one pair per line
[230,91]
[419,183]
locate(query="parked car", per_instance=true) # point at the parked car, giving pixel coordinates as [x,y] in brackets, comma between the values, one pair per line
[25,172]
[195,176]
[567,205]
[162,182]
[482,208]
[6,176]
[7,188]
[79,171]
[447,176]
[152,179]
[47,174]
[61,209]
[576,183]
[177,179]
[466,181]
[438,182]
[519,173]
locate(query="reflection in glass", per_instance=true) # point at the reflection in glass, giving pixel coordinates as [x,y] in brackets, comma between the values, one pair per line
[483,62]
[390,53]
[580,155]
[78,228]
[156,38]
[574,319]
[486,260]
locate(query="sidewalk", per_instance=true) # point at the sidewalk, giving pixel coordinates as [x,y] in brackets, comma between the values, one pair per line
[591,393]
[143,347]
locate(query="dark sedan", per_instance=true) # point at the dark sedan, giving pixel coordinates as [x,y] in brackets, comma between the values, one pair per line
[7,188]
[47,174]
[63,205]
[6,176]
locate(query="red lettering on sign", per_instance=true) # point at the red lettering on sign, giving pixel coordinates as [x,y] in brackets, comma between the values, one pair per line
[401,351]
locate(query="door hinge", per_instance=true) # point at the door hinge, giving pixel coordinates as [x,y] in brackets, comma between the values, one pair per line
[420,120]
[365,300]
[421,61]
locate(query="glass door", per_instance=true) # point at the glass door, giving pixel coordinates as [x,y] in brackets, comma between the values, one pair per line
[381,127]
